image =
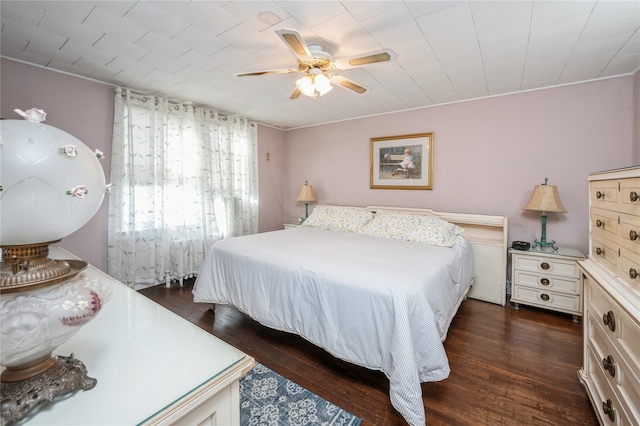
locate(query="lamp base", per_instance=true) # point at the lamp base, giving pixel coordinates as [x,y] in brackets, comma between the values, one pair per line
[28,267]
[66,374]
[543,245]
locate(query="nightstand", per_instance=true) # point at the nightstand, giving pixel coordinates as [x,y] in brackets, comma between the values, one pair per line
[550,280]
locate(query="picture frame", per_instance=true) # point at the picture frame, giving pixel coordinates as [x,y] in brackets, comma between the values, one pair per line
[402,162]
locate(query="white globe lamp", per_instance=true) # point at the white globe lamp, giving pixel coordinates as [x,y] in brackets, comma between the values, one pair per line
[51,184]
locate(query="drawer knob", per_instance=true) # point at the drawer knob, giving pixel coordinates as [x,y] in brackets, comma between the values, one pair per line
[544,281]
[609,319]
[599,223]
[633,235]
[544,265]
[608,409]
[600,251]
[609,365]
[544,297]
[633,274]
[599,195]
[633,196]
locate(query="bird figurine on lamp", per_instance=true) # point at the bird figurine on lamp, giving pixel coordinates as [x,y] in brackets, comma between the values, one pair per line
[545,199]
[306,194]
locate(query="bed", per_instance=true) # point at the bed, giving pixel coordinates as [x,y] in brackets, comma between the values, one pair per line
[374,286]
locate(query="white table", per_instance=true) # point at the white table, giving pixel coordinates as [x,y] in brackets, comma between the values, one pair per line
[152,367]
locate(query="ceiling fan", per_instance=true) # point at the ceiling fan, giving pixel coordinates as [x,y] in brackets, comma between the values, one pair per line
[319,69]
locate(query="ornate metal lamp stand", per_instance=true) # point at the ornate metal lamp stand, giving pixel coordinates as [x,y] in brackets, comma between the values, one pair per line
[65,375]
[543,238]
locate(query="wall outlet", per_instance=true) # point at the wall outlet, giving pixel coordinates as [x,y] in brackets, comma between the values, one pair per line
[268,156]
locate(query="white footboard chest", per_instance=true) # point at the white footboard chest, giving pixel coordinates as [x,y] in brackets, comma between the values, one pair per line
[611,370]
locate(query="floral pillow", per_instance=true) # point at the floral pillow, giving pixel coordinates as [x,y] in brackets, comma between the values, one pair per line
[413,227]
[437,232]
[391,225]
[338,218]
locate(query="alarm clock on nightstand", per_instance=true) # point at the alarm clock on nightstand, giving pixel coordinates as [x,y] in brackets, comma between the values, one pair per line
[521,245]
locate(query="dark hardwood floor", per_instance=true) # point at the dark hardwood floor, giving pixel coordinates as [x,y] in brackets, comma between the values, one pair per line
[508,367]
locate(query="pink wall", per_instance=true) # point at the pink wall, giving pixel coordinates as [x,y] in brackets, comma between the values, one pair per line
[488,155]
[78,106]
[270,141]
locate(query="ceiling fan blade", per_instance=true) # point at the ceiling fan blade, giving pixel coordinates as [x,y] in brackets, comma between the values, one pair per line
[338,80]
[384,55]
[294,40]
[295,94]
[266,72]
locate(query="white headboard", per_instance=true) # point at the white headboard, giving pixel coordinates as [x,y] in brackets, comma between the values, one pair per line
[488,236]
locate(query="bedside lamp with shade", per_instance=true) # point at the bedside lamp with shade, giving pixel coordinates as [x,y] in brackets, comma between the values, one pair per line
[306,195]
[545,198]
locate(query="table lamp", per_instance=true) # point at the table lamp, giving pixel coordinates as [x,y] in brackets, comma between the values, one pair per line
[545,199]
[306,194]
[51,184]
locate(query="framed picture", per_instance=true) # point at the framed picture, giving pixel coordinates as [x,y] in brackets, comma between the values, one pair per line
[402,162]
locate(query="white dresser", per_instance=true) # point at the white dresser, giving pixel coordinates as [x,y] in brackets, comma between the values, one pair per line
[152,366]
[611,371]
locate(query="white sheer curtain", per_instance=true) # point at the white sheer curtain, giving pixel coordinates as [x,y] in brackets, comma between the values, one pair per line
[183,178]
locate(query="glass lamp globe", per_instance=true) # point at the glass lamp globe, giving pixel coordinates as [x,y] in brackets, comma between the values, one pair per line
[39,167]
[305,85]
[323,85]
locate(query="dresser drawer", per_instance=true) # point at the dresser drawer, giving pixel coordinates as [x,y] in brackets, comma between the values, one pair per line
[604,223]
[605,251]
[622,376]
[550,282]
[619,327]
[630,232]
[630,196]
[603,393]
[547,265]
[630,269]
[605,194]
[561,302]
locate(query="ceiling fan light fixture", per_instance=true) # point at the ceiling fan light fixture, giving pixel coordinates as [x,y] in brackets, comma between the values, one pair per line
[313,85]
[305,85]
[323,85]
[318,68]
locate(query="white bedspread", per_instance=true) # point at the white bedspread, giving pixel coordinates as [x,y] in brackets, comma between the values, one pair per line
[379,303]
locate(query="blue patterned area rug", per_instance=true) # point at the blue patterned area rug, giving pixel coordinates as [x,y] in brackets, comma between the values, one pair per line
[267,398]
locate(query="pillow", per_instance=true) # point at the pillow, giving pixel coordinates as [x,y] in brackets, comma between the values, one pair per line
[413,227]
[338,218]
[437,232]
[391,225]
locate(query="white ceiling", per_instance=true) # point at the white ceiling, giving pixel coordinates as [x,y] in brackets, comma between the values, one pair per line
[448,51]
